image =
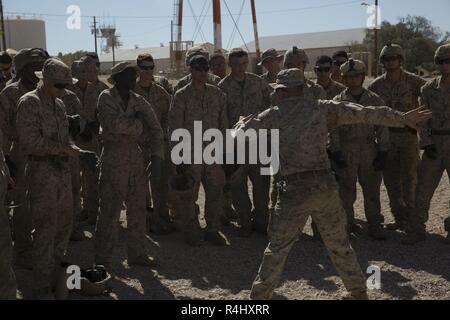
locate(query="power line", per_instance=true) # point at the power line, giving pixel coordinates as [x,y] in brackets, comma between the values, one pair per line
[235,24]
[233,34]
[337,4]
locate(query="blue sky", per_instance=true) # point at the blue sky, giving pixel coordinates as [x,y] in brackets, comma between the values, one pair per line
[146,23]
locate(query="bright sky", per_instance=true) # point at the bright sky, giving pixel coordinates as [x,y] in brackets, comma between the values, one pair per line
[146,23]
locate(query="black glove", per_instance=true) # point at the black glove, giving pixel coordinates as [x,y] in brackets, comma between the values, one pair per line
[431,152]
[11,166]
[74,125]
[154,169]
[339,160]
[90,159]
[379,163]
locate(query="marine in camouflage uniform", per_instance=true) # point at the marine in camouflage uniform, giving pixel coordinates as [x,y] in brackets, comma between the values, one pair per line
[26,62]
[400,90]
[43,134]
[434,139]
[159,99]
[200,101]
[364,149]
[73,108]
[247,94]
[8,286]
[307,186]
[88,138]
[197,50]
[123,115]
[323,72]
[5,69]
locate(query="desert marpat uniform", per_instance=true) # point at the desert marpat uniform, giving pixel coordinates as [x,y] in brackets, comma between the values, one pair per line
[436,98]
[122,172]
[210,109]
[22,222]
[359,144]
[43,132]
[252,96]
[73,107]
[8,285]
[400,175]
[333,90]
[159,99]
[309,187]
[164,82]
[89,178]
[212,79]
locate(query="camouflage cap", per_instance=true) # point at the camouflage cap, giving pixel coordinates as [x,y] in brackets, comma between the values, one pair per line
[119,68]
[145,60]
[85,64]
[195,51]
[353,66]
[392,49]
[443,52]
[293,53]
[289,78]
[269,53]
[29,55]
[56,71]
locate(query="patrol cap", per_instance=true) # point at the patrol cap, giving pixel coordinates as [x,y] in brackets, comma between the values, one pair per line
[56,72]
[289,78]
[442,53]
[353,66]
[145,60]
[194,51]
[86,64]
[392,49]
[199,61]
[291,54]
[119,68]
[29,55]
[268,54]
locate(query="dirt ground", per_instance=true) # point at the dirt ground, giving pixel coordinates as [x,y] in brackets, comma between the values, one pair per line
[407,272]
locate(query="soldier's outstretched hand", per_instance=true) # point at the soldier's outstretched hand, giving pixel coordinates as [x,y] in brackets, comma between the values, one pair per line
[413,117]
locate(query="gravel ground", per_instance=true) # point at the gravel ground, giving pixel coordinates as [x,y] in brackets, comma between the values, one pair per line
[407,272]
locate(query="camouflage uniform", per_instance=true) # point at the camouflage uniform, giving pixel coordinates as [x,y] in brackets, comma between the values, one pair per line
[22,222]
[164,82]
[400,174]
[43,133]
[359,145]
[159,99]
[436,98]
[122,172]
[8,285]
[73,107]
[210,109]
[243,99]
[212,79]
[333,90]
[89,178]
[309,187]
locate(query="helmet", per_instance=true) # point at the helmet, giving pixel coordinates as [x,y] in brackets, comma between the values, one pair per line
[443,52]
[392,49]
[353,67]
[95,281]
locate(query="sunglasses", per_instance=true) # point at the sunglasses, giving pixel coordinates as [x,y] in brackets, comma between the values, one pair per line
[444,61]
[201,68]
[60,86]
[147,68]
[323,70]
[390,58]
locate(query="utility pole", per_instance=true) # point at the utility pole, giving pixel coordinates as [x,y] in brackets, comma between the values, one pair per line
[3,26]
[255,29]
[95,33]
[376,38]
[217,25]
